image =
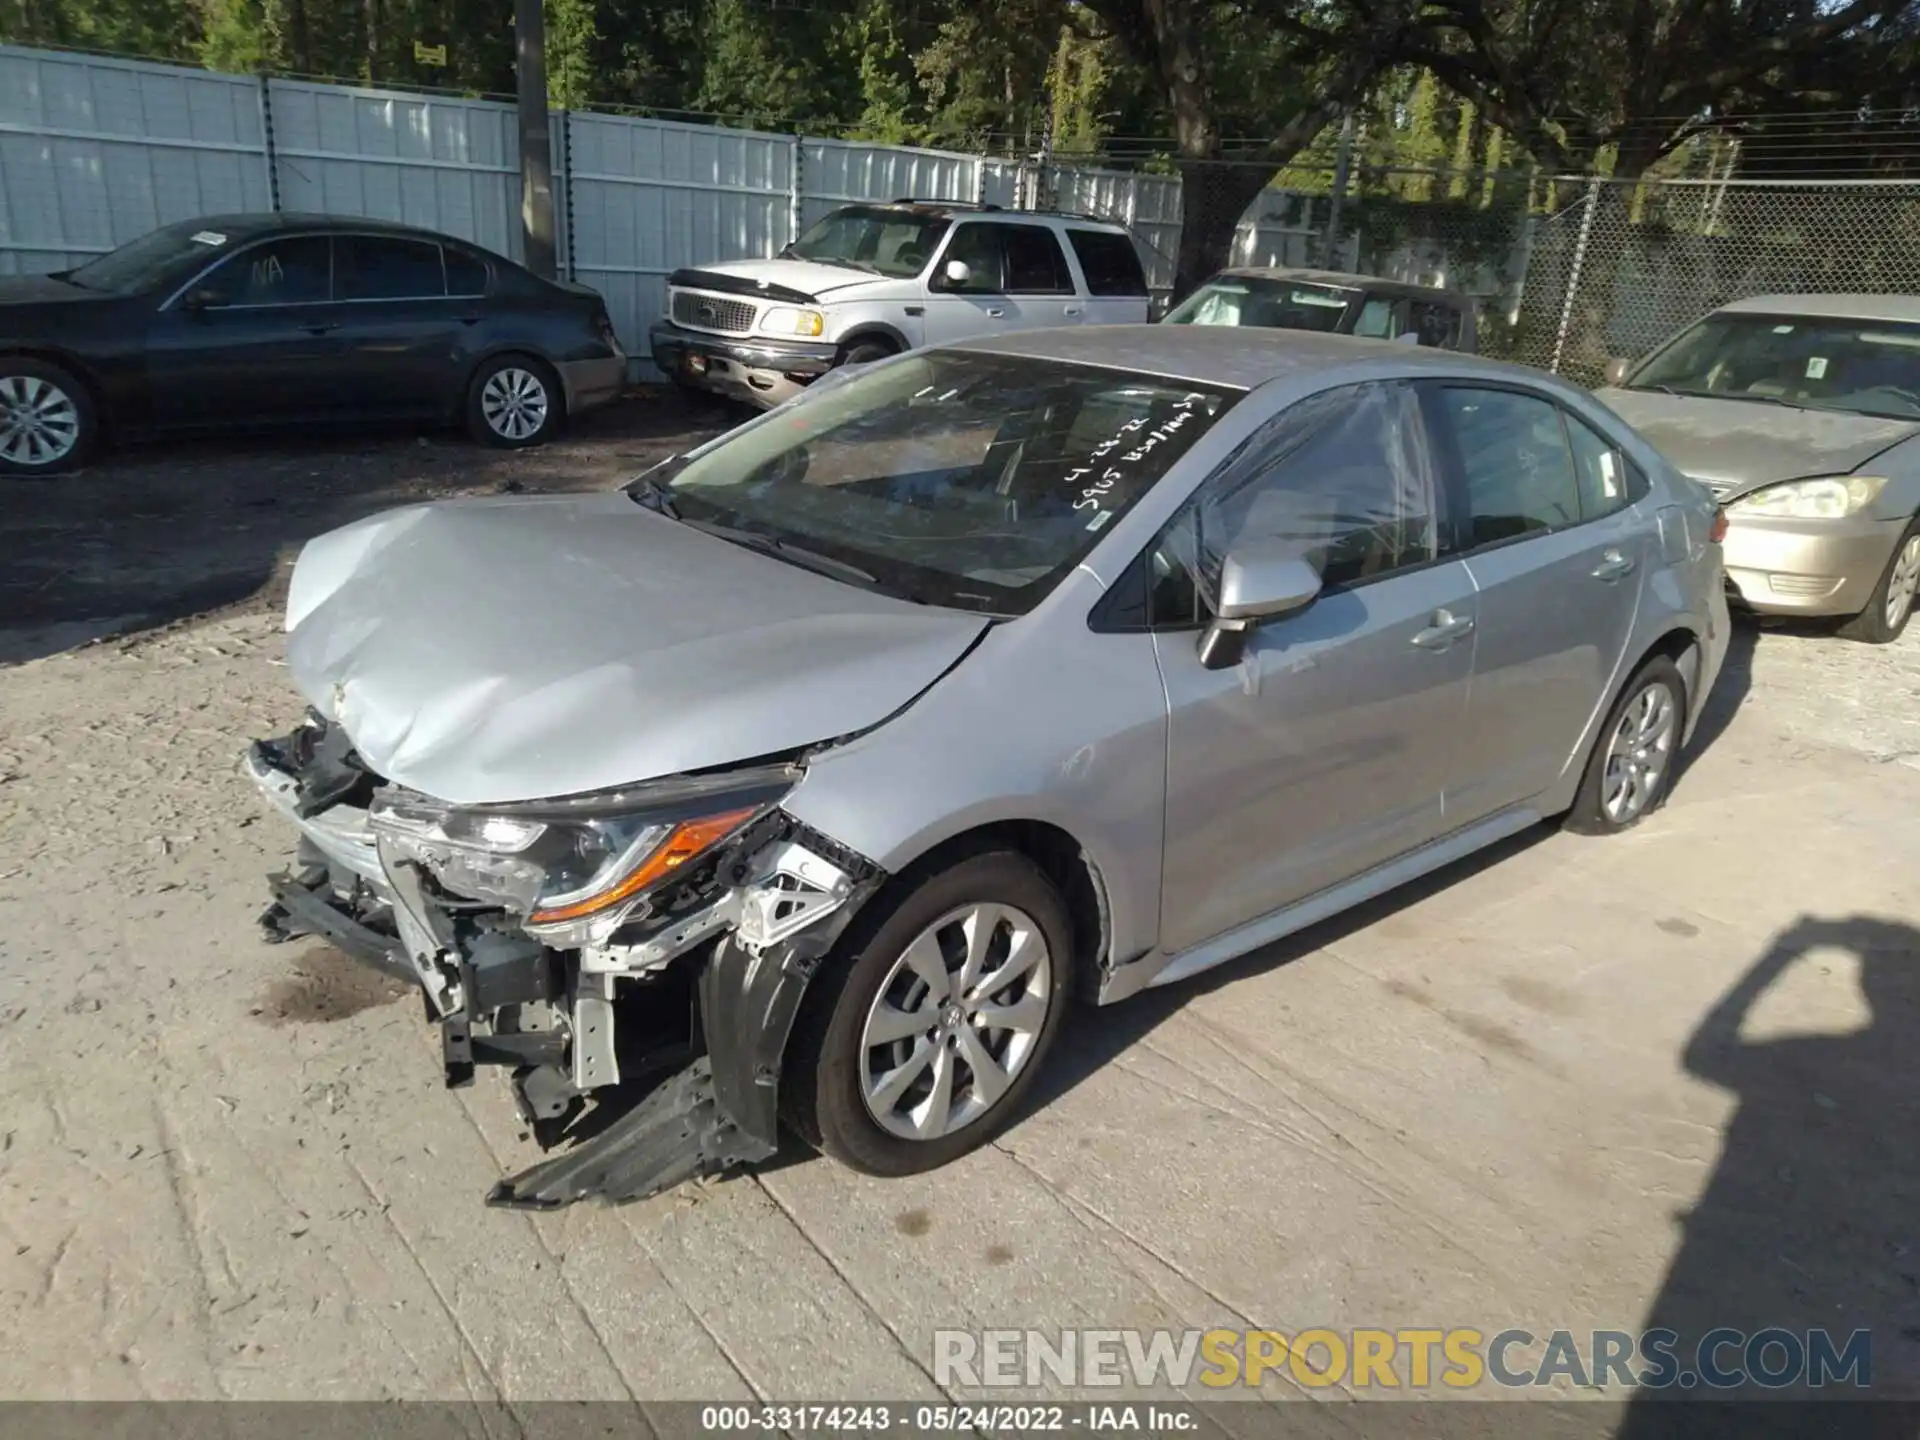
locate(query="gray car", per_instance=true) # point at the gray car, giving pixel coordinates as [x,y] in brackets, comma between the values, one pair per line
[812,774]
[1802,413]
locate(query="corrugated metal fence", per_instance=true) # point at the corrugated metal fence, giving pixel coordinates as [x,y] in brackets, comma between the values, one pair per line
[96,152]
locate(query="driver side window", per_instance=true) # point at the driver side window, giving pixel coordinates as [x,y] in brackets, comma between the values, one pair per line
[1345,477]
[978,247]
[294,271]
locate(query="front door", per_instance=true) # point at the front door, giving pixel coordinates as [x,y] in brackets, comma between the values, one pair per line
[1557,546]
[253,341]
[979,304]
[1324,752]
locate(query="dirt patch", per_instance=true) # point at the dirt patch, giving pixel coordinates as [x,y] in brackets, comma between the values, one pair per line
[157,533]
[326,985]
[913,1222]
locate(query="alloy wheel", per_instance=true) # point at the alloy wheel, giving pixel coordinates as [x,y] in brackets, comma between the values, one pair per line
[39,422]
[1903,582]
[956,1020]
[1639,752]
[514,402]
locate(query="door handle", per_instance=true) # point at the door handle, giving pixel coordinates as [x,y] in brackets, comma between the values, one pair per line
[470,319]
[1071,310]
[995,311]
[1612,566]
[321,327]
[1445,628]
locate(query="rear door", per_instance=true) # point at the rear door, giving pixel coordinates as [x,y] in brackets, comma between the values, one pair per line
[1115,282]
[250,342]
[1324,752]
[1554,534]
[405,341]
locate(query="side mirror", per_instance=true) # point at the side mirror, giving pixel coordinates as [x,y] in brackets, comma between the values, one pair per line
[1617,369]
[1262,581]
[956,273]
[205,297]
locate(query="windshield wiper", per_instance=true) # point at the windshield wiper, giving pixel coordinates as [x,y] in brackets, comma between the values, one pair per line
[793,554]
[655,496]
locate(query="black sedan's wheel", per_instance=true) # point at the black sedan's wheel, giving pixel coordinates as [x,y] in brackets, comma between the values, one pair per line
[514,402]
[943,1014]
[47,421]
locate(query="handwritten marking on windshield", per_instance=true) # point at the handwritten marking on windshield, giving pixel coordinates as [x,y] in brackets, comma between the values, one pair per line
[1093,494]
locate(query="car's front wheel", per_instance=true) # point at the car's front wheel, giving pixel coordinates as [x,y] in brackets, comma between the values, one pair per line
[1891,606]
[514,401]
[47,420]
[920,1044]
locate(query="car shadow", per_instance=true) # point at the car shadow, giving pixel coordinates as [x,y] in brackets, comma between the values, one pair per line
[157,533]
[1809,1227]
[1729,692]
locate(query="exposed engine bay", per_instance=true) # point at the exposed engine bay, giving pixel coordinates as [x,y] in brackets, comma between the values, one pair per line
[634,960]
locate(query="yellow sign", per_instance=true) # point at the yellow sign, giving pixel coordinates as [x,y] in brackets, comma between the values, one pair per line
[429,54]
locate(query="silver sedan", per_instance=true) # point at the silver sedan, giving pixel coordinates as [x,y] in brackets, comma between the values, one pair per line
[809,776]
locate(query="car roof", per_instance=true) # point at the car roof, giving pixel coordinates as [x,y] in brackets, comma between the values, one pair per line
[964,209]
[1839,306]
[1232,356]
[252,226]
[1348,280]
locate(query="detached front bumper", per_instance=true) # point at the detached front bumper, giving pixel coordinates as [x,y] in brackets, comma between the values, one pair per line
[1808,567]
[759,371]
[676,1027]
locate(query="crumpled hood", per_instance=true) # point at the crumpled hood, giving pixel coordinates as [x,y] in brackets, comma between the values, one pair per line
[801,275]
[1734,446]
[518,649]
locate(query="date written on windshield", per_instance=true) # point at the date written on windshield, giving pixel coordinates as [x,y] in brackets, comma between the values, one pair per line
[1117,458]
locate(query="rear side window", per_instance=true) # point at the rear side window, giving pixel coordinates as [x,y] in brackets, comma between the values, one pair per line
[1607,480]
[386,267]
[1111,264]
[466,274]
[1514,457]
[1035,263]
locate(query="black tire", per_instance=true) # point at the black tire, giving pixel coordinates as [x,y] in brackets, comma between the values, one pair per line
[1871,626]
[491,424]
[821,1085]
[865,352]
[1590,814]
[48,422]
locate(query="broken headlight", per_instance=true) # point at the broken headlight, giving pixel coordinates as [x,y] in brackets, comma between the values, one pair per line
[575,870]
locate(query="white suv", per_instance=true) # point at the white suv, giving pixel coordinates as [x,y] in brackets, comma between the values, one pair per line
[868,281]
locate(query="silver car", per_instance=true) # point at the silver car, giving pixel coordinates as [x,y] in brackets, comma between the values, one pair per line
[810,775]
[1802,413]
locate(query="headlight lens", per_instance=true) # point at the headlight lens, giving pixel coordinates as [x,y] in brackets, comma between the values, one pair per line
[574,871]
[782,320]
[1832,497]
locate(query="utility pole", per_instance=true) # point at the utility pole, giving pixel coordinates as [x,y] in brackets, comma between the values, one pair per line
[536,146]
[1342,162]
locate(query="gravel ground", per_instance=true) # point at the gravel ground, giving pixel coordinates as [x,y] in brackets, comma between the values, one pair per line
[230,1171]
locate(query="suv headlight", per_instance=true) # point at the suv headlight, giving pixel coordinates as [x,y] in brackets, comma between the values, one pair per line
[575,870]
[784,320]
[1832,497]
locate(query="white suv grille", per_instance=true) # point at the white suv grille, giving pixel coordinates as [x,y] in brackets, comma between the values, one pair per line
[716,313]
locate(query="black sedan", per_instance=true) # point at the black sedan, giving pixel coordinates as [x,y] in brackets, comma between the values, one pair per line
[255,321]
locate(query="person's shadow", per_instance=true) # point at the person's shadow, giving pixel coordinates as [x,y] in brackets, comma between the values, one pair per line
[1811,1221]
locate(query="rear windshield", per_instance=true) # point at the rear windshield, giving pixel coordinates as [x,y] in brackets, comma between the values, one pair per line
[1255,300]
[1868,367]
[954,478]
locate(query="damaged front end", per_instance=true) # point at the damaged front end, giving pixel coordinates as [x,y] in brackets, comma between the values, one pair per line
[635,959]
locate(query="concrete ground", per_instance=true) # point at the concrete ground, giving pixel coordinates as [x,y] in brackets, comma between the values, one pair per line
[1662,1078]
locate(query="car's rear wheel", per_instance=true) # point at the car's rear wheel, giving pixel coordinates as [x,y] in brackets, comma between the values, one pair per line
[1892,603]
[1631,768]
[920,1045]
[513,402]
[47,419]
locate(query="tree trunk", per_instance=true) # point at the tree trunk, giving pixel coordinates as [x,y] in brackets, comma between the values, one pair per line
[1214,194]
[371,10]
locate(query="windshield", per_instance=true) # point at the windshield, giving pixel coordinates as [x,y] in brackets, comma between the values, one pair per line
[968,480]
[886,242]
[1870,367]
[1277,304]
[152,258]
